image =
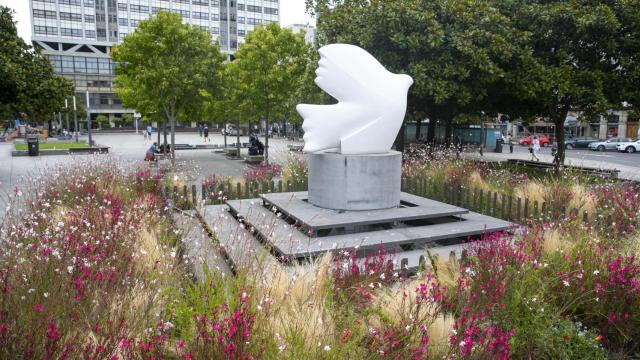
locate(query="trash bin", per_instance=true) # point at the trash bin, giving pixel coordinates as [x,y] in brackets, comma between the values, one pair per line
[32,145]
[499,145]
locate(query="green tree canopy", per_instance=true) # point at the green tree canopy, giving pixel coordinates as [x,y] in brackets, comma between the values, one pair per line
[270,64]
[167,67]
[454,50]
[27,82]
[583,55]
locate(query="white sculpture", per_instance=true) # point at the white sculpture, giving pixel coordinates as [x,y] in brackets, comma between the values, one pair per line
[371,103]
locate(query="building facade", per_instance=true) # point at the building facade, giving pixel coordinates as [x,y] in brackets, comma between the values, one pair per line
[77,35]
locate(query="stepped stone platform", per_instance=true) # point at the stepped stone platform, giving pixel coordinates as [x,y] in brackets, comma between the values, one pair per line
[283,228]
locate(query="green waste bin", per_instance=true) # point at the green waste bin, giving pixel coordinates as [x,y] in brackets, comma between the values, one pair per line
[33,145]
[499,145]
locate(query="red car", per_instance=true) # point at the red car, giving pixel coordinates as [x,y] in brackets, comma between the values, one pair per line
[528,140]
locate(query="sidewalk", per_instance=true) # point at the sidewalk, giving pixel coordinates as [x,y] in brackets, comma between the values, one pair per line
[626,172]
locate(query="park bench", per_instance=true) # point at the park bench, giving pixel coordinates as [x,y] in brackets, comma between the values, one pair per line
[91,150]
[606,173]
[295,147]
[254,159]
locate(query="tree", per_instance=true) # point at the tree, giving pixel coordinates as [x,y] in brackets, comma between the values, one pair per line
[28,84]
[166,67]
[270,64]
[456,51]
[583,54]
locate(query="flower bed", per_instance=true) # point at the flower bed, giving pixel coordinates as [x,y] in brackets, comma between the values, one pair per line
[91,267]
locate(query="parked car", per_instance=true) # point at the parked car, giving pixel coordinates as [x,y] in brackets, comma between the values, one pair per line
[528,140]
[630,147]
[609,144]
[579,142]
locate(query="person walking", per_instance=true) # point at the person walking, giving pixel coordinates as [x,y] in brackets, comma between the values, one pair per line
[206,133]
[508,139]
[200,129]
[149,131]
[535,149]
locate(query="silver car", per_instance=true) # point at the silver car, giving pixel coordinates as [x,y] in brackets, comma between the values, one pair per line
[609,144]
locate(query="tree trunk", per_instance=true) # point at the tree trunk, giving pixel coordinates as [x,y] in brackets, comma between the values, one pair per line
[431,130]
[164,130]
[418,130]
[173,140]
[266,140]
[448,131]
[559,122]
[284,128]
[238,136]
[159,131]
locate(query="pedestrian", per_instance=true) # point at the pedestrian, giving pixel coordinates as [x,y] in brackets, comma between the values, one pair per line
[535,149]
[149,131]
[509,142]
[151,152]
[200,129]
[206,133]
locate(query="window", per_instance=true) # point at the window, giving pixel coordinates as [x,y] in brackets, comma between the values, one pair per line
[253,8]
[240,6]
[100,18]
[200,15]
[91,34]
[122,7]
[184,13]
[271,11]
[215,2]
[45,30]
[215,17]
[215,30]
[123,21]
[69,2]
[89,3]
[89,18]
[253,21]
[65,16]
[102,33]
[200,2]
[104,66]
[70,32]
[181,1]
[57,64]
[203,28]
[79,64]
[113,18]
[240,19]
[240,32]
[223,17]
[46,14]
[139,8]
[92,65]
[46,1]
[67,64]
[134,22]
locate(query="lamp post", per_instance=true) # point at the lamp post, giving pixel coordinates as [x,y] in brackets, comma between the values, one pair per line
[75,116]
[66,106]
[89,118]
[136,117]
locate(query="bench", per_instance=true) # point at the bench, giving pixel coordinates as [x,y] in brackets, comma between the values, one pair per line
[91,150]
[254,159]
[295,147]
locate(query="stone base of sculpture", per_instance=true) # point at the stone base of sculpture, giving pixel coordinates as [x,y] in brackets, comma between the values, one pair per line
[355,182]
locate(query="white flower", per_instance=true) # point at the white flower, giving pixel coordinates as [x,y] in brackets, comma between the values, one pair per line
[327,348]
[462,343]
[565,283]
[46,295]
[596,272]
[69,269]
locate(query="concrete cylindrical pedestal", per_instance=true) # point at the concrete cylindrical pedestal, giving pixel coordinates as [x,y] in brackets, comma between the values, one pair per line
[355,182]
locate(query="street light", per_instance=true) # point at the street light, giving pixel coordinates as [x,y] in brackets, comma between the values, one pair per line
[75,116]
[66,106]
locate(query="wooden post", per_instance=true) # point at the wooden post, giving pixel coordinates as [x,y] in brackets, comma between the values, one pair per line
[518,205]
[272,186]
[510,207]
[204,192]
[295,184]
[502,205]
[288,185]
[194,194]
[238,191]
[495,203]
[279,186]
[247,190]
[175,195]
[535,210]
[526,209]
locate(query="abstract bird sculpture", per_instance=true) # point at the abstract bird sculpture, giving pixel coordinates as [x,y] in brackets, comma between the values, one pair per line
[371,103]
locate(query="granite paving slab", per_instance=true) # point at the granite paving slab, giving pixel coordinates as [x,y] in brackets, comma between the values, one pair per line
[316,218]
[289,241]
[240,247]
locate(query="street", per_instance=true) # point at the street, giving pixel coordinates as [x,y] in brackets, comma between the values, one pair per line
[610,156]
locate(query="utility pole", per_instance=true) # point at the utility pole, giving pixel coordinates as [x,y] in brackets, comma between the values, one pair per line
[66,106]
[89,119]
[75,116]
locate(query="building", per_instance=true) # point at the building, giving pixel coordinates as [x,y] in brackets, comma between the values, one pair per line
[309,31]
[77,35]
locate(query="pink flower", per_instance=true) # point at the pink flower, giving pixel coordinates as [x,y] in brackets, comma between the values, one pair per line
[53,333]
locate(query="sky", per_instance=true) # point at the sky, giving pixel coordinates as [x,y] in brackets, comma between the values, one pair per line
[291,11]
